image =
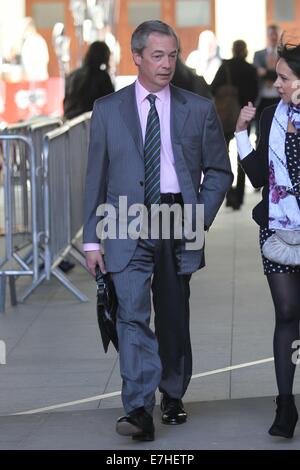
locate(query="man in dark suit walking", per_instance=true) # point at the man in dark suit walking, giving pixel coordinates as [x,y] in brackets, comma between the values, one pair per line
[152,142]
[265,61]
[243,76]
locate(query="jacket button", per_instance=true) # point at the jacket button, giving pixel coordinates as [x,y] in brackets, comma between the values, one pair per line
[142,183]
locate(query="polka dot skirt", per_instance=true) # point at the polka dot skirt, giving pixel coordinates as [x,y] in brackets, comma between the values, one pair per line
[292,150]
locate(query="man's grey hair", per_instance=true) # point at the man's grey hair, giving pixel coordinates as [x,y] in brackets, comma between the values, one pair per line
[140,36]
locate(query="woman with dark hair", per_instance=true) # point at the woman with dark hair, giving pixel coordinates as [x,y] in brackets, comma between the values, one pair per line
[275,166]
[89,82]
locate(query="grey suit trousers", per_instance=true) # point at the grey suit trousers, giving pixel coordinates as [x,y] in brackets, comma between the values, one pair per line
[149,360]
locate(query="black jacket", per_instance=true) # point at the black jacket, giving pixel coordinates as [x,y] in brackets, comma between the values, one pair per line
[243,76]
[256,167]
[186,78]
[83,87]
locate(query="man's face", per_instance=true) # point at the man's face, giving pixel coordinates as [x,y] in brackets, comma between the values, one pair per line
[157,63]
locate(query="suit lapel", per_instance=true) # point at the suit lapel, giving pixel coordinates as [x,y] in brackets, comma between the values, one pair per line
[129,113]
[179,114]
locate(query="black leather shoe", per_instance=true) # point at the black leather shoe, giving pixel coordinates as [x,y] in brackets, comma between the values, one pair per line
[286,417]
[172,409]
[138,424]
[233,200]
[66,266]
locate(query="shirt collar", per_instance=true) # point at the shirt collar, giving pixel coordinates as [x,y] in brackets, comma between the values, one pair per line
[141,93]
[272,50]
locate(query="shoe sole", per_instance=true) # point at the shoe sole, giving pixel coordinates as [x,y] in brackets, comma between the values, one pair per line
[279,434]
[128,429]
[173,422]
[143,437]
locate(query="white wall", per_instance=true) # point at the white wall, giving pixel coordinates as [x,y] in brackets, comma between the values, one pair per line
[240,19]
[11,11]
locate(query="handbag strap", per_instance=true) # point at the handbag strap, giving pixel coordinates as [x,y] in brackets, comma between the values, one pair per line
[285,242]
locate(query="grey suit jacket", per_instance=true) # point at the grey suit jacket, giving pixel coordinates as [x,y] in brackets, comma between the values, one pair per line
[260,58]
[116,165]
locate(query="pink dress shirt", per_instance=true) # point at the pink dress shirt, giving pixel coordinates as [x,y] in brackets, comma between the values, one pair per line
[168,177]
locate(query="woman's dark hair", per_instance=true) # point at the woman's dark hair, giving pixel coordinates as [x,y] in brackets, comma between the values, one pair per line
[291,54]
[97,55]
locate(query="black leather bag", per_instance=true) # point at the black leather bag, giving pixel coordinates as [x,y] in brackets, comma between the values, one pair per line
[107,305]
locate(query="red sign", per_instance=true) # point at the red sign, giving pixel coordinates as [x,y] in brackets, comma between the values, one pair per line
[24,100]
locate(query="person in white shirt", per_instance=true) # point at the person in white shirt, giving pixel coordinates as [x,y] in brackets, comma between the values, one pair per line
[274,166]
[34,53]
[205,60]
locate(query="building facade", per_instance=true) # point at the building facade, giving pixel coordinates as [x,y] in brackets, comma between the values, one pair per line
[228,19]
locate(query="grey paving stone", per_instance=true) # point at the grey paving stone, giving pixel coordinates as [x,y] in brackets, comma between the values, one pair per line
[229,424]
[55,356]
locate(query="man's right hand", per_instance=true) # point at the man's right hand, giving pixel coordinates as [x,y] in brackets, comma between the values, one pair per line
[94,258]
[246,115]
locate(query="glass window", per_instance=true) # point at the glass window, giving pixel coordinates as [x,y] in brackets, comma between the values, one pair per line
[46,14]
[193,13]
[139,12]
[284,11]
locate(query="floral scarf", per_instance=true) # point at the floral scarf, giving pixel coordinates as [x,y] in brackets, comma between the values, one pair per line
[284,212]
[294,115]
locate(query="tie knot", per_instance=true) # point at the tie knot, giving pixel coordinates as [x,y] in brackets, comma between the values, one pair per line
[151,98]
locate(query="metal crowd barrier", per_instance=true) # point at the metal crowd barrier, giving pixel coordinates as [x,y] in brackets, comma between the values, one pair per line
[56,195]
[46,170]
[35,130]
[19,184]
[65,160]
[19,196]
[78,140]
[21,145]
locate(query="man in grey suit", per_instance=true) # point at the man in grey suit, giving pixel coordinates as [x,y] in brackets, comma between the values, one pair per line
[153,142]
[265,62]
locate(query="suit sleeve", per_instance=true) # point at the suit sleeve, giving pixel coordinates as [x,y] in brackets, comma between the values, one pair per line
[216,167]
[254,164]
[257,60]
[96,176]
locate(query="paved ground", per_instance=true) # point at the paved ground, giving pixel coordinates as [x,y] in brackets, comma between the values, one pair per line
[54,356]
[214,425]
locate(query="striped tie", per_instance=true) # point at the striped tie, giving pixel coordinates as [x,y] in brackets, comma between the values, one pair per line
[152,155]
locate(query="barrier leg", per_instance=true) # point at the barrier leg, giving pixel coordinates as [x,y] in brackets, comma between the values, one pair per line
[33,286]
[2,292]
[29,258]
[57,273]
[12,289]
[78,256]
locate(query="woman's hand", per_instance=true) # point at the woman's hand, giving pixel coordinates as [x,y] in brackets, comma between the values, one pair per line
[246,115]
